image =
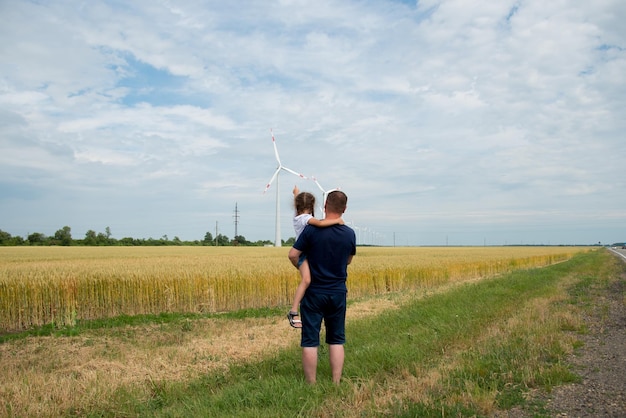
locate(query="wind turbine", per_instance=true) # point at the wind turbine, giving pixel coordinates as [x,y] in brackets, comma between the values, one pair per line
[277,240]
[324,195]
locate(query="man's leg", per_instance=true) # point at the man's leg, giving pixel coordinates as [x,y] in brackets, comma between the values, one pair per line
[309,364]
[336,361]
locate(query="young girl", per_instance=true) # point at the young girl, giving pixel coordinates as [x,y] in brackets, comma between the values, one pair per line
[304,203]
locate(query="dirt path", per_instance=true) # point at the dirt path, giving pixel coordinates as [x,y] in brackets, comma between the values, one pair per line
[601,362]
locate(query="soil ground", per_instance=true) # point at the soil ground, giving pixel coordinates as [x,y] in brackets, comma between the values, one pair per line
[601,362]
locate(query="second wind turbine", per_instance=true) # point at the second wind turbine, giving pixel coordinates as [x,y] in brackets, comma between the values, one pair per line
[277,240]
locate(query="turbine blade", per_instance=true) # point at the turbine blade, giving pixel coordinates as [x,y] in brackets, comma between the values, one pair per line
[269,183]
[318,185]
[293,172]
[326,193]
[275,148]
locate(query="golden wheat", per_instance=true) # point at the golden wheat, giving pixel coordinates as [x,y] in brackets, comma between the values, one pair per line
[59,285]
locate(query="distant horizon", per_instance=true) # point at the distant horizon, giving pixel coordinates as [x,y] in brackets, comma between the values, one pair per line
[359,242]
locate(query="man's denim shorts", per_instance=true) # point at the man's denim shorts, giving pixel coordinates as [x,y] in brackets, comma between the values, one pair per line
[329,307]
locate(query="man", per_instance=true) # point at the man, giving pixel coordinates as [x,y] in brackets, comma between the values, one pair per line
[328,251]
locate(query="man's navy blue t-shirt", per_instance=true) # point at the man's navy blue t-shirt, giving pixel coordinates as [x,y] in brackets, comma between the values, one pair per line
[327,250]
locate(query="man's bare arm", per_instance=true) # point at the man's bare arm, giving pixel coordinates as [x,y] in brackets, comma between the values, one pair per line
[322,223]
[294,256]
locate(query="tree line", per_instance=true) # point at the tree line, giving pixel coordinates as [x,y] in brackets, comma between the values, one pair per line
[63,237]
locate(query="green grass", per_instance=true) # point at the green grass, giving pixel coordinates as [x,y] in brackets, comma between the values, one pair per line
[480,373]
[166,318]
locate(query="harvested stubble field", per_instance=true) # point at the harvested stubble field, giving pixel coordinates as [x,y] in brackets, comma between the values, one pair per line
[50,375]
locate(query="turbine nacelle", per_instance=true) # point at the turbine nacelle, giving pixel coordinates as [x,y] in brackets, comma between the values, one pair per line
[275,176]
[325,193]
[280,167]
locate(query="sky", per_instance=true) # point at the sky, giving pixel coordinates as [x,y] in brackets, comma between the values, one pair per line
[445,122]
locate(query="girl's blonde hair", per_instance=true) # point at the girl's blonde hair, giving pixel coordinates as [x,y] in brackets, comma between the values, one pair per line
[305,202]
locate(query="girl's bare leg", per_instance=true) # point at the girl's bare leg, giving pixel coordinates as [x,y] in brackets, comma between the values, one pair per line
[305,280]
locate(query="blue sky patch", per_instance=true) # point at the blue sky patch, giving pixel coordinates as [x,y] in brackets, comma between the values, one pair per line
[150,84]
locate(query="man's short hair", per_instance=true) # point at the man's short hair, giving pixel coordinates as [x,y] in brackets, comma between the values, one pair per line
[336,202]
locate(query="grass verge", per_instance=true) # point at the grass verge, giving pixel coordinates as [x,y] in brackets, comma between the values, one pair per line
[474,350]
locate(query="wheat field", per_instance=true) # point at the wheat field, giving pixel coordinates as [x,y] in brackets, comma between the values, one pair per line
[60,285]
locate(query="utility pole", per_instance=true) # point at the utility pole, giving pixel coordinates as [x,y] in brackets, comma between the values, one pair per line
[216,233]
[236,216]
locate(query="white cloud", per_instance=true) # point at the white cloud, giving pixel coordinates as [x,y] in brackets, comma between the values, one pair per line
[436,116]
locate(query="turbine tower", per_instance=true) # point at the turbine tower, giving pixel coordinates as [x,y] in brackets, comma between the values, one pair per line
[277,240]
